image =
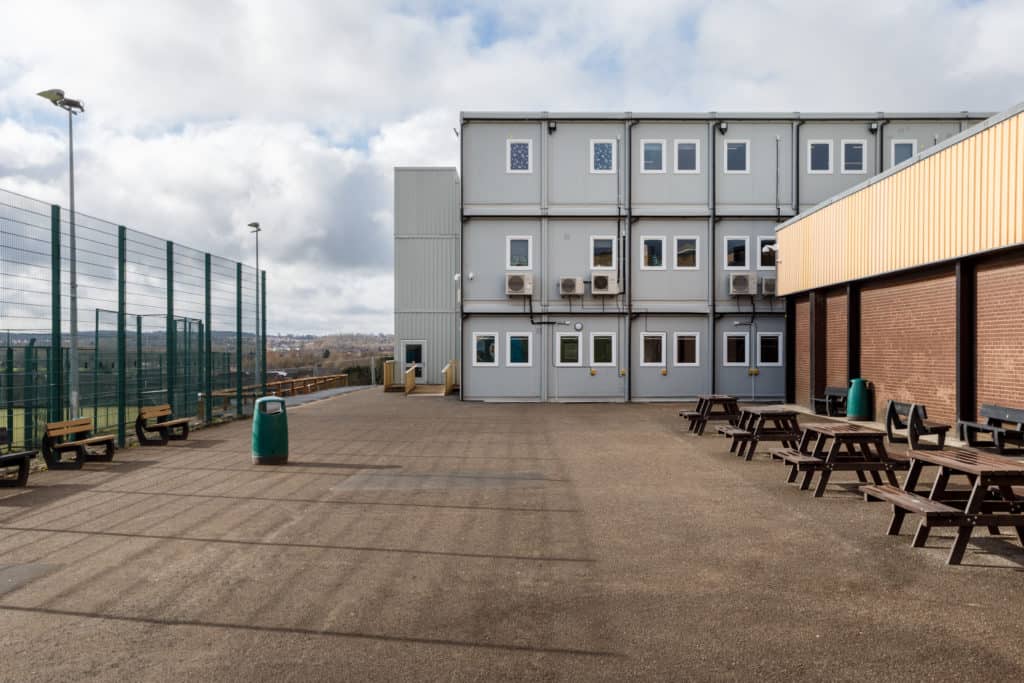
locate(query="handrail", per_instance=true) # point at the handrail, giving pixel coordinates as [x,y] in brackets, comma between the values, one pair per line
[389,373]
[410,380]
[451,377]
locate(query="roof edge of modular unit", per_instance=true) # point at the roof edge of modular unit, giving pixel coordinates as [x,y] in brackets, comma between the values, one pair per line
[916,159]
[425,168]
[720,115]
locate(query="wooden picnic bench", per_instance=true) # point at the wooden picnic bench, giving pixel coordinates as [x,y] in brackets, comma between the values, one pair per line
[75,436]
[853,448]
[758,424]
[20,459]
[990,502]
[913,419]
[833,402]
[166,426]
[997,419]
[728,409]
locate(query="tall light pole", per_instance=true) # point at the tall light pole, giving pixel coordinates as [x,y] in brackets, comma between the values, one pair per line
[72,107]
[259,366]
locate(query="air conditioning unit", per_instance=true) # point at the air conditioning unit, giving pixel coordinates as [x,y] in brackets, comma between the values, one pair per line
[570,286]
[768,286]
[742,284]
[519,284]
[604,284]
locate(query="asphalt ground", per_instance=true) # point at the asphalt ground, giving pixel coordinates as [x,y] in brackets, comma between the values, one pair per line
[428,539]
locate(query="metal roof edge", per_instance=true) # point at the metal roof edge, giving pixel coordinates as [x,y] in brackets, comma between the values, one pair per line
[916,159]
[425,168]
[713,115]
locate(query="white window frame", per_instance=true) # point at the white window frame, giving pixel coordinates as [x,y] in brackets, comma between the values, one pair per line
[558,349]
[660,238]
[615,350]
[508,252]
[675,251]
[675,349]
[725,156]
[497,349]
[762,364]
[508,155]
[725,252]
[508,349]
[615,156]
[615,252]
[675,157]
[643,144]
[725,349]
[643,337]
[863,158]
[760,245]
[831,157]
[892,149]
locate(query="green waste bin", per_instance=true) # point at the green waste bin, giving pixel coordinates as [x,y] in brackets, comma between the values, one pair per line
[270,431]
[858,402]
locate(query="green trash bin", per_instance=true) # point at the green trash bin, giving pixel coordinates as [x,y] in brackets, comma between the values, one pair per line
[270,431]
[858,400]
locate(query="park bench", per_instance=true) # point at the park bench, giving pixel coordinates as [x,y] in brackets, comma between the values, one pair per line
[166,426]
[19,459]
[74,435]
[833,402]
[913,418]
[996,419]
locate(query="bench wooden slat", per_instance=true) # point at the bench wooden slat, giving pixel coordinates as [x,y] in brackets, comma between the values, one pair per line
[911,502]
[57,429]
[151,412]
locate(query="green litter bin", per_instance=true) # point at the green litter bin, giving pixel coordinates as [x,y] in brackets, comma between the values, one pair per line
[270,432]
[858,403]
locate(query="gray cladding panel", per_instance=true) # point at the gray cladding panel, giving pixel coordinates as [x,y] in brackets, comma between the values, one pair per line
[669,380]
[484,257]
[749,230]
[568,255]
[425,269]
[670,284]
[815,187]
[770,383]
[926,133]
[737,192]
[426,201]
[670,191]
[440,334]
[485,178]
[570,180]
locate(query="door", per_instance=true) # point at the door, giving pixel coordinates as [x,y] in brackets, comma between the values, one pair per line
[413,355]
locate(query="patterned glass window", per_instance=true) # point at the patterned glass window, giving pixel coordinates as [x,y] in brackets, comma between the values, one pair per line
[519,156]
[602,156]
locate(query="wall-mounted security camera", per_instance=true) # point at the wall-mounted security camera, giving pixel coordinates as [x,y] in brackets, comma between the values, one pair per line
[458,276]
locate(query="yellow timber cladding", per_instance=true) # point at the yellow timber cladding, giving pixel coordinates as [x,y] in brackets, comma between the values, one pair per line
[964,197]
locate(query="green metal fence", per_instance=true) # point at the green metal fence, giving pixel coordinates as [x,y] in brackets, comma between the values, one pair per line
[158,322]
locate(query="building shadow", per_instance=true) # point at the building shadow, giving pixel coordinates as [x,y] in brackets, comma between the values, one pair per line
[33,496]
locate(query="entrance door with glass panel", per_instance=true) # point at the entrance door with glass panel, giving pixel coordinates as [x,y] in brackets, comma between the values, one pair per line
[412,353]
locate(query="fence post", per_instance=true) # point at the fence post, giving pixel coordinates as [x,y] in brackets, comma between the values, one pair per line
[263,332]
[9,398]
[208,347]
[172,365]
[96,371]
[139,363]
[238,339]
[54,383]
[122,350]
[31,370]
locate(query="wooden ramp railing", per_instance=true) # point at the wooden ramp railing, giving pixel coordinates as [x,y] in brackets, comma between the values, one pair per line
[410,380]
[451,377]
[389,377]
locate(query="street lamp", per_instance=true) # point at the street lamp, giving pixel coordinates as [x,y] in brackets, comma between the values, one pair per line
[259,367]
[72,107]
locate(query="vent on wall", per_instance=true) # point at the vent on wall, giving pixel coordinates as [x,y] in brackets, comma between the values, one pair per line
[742,284]
[519,284]
[768,286]
[604,284]
[570,286]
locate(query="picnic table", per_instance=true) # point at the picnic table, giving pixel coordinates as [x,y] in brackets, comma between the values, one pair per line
[990,501]
[762,423]
[727,409]
[853,448]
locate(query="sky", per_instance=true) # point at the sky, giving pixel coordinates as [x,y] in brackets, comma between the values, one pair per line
[203,116]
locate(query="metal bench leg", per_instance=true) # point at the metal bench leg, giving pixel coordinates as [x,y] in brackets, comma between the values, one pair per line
[751,447]
[822,483]
[993,530]
[896,523]
[956,553]
[921,537]
[860,477]
[792,475]
[808,476]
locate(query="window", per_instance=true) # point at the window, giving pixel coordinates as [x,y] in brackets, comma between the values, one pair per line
[519,156]
[567,349]
[769,348]
[485,349]
[687,253]
[518,350]
[687,156]
[737,156]
[602,349]
[518,252]
[819,156]
[602,252]
[687,349]
[853,156]
[602,156]
[654,253]
[736,253]
[903,150]
[654,350]
[735,349]
[765,259]
[654,156]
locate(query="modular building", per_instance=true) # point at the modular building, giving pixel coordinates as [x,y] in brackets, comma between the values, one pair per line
[914,279]
[622,256]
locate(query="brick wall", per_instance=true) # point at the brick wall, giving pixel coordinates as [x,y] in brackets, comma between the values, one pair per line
[1001,331]
[908,342]
[802,369]
[835,338]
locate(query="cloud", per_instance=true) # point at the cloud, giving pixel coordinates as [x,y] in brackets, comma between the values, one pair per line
[204,116]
